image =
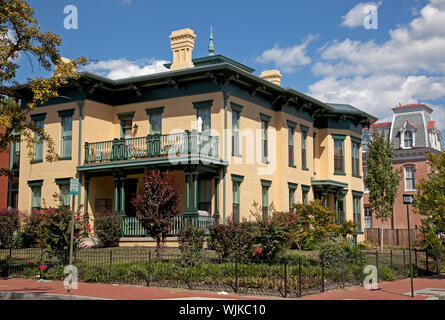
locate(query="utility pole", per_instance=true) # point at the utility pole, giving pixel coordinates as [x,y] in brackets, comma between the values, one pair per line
[408,199]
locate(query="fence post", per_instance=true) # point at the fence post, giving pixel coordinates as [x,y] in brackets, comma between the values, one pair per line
[111,265]
[426,258]
[404,263]
[299,276]
[236,274]
[10,261]
[149,269]
[285,279]
[343,270]
[322,273]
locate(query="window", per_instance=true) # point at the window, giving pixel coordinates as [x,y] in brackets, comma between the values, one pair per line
[205,115]
[64,190]
[15,153]
[101,205]
[235,133]
[340,207]
[355,159]
[292,189]
[38,146]
[368,217]
[365,173]
[408,139]
[365,141]
[305,194]
[67,137]
[291,146]
[409,179]
[357,205]
[236,201]
[339,167]
[36,195]
[265,197]
[156,123]
[126,128]
[264,139]
[303,149]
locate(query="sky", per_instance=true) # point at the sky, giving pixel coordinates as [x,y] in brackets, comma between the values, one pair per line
[331,50]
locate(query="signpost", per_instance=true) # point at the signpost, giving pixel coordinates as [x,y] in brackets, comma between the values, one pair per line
[74,191]
[408,199]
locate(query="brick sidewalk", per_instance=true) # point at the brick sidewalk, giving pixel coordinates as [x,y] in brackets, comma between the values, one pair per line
[387,291]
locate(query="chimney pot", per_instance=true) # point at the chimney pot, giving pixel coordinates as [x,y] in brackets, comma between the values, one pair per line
[182,43]
[273,76]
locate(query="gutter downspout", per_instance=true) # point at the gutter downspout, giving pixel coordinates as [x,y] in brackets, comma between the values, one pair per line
[226,97]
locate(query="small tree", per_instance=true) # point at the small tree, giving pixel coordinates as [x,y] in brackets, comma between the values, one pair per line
[157,204]
[9,223]
[430,200]
[382,180]
[107,226]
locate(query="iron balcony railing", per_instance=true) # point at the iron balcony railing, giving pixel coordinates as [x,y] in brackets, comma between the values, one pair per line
[153,146]
[132,227]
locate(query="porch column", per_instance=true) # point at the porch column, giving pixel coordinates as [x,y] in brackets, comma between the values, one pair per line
[116,192]
[216,213]
[195,191]
[325,199]
[86,216]
[122,195]
[187,192]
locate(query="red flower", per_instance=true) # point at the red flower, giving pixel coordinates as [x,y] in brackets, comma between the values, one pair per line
[43,268]
[257,250]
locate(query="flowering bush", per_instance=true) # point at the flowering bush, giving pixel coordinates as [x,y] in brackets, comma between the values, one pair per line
[54,230]
[9,223]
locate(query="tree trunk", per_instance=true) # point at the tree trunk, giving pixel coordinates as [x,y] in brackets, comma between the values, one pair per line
[381,237]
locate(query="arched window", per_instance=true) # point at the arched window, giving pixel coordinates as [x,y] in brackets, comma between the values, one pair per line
[408,139]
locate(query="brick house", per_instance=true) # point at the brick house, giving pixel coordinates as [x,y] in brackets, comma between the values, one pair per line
[414,134]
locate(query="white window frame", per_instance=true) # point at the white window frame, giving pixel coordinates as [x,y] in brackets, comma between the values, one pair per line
[413,178]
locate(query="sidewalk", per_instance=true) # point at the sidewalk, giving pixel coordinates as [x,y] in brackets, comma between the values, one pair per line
[396,290]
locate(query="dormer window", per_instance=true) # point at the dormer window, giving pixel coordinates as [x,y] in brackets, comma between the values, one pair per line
[408,139]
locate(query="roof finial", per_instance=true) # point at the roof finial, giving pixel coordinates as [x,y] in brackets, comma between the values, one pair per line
[211,46]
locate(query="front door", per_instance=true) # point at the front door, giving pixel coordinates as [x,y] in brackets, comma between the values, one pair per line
[205,195]
[130,193]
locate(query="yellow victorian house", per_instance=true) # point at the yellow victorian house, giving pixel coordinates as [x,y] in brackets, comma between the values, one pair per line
[231,137]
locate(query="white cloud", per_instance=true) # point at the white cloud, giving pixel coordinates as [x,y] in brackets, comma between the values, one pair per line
[355,17]
[407,68]
[287,59]
[123,68]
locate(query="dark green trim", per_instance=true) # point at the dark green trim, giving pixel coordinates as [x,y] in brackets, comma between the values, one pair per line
[35,183]
[236,107]
[237,178]
[292,166]
[291,124]
[329,183]
[36,161]
[357,194]
[344,192]
[339,136]
[293,186]
[63,181]
[265,117]
[266,183]
[304,128]
[38,117]
[203,104]
[305,169]
[126,115]
[305,188]
[66,113]
[65,158]
[355,176]
[339,173]
[152,111]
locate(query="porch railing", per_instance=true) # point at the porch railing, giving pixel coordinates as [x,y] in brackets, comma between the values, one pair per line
[152,146]
[132,227]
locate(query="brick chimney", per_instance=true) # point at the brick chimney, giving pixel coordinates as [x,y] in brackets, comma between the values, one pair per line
[182,43]
[273,76]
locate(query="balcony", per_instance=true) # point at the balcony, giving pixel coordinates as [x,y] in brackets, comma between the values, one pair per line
[153,146]
[132,227]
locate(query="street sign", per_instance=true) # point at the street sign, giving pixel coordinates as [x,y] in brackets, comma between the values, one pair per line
[408,199]
[74,187]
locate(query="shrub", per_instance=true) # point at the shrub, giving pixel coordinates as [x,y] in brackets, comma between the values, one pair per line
[433,245]
[107,226]
[386,273]
[30,228]
[232,240]
[271,237]
[9,224]
[191,242]
[333,253]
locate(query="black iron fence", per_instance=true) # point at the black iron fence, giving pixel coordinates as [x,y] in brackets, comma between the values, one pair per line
[296,277]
